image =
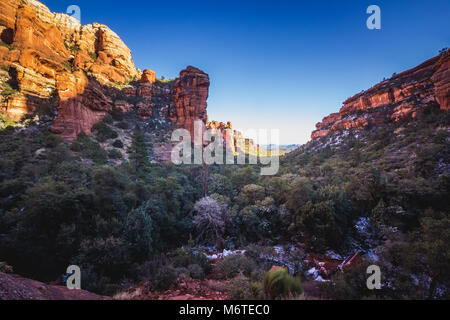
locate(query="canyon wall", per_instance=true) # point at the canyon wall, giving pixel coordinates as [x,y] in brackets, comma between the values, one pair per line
[393,99]
[86,71]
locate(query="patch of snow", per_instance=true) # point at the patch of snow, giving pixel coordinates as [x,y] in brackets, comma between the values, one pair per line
[372,256]
[320,279]
[362,225]
[334,255]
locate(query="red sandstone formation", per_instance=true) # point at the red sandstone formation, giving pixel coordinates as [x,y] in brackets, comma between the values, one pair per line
[148,76]
[50,53]
[82,104]
[441,80]
[394,99]
[191,92]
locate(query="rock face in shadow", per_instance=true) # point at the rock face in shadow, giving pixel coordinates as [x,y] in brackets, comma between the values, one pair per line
[89,69]
[394,99]
[80,99]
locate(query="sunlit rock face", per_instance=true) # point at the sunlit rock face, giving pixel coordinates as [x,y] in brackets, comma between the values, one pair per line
[190,95]
[45,55]
[394,99]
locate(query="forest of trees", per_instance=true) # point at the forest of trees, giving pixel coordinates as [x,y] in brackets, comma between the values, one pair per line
[123,221]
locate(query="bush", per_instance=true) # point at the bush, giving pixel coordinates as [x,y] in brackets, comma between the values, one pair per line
[233,265]
[118,144]
[108,119]
[117,114]
[123,125]
[5,268]
[138,233]
[6,121]
[350,285]
[241,288]
[115,155]
[186,257]
[104,132]
[90,149]
[165,277]
[93,55]
[196,272]
[8,91]
[279,284]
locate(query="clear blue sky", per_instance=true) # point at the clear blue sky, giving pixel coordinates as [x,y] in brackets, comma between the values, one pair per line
[275,64]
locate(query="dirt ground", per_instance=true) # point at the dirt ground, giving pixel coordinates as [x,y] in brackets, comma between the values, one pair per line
[13,287]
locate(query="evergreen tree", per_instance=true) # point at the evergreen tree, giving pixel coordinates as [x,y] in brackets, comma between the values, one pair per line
[138,151]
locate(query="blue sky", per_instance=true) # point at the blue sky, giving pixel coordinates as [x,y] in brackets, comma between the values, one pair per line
[275,64]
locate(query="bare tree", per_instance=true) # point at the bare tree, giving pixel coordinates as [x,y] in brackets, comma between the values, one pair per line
[210,220]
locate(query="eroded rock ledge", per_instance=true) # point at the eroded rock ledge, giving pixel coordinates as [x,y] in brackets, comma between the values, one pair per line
[394,99]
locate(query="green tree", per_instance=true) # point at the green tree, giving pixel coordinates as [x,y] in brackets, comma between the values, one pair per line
[138,233]
[139,157]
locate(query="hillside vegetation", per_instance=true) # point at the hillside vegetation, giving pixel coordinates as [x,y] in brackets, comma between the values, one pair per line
[383,191]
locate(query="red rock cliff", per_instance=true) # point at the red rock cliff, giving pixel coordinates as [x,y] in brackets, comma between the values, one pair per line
[190,95]
[394,99]
[45,54]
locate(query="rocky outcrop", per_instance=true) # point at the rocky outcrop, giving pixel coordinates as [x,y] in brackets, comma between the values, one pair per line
[232,139]
[394,99]
[45,54]
[83,103]
[441,79]
[190,95]
[148,76]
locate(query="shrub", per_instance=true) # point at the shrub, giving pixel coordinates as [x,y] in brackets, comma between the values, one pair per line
[104,132]
[5,67]
[279,284]
[50,140]
[8,91]
[108,119]
[67,65]
[186,257]
[165,277]
[241,288]
[9,46]
[123,125]
[115,155]
[117,114]
[5,268]
[196,272]
[233,265]
[138,233]
[350,284]
[89,149]
[118,144]
[93,55]
[6,121]
[182,272]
